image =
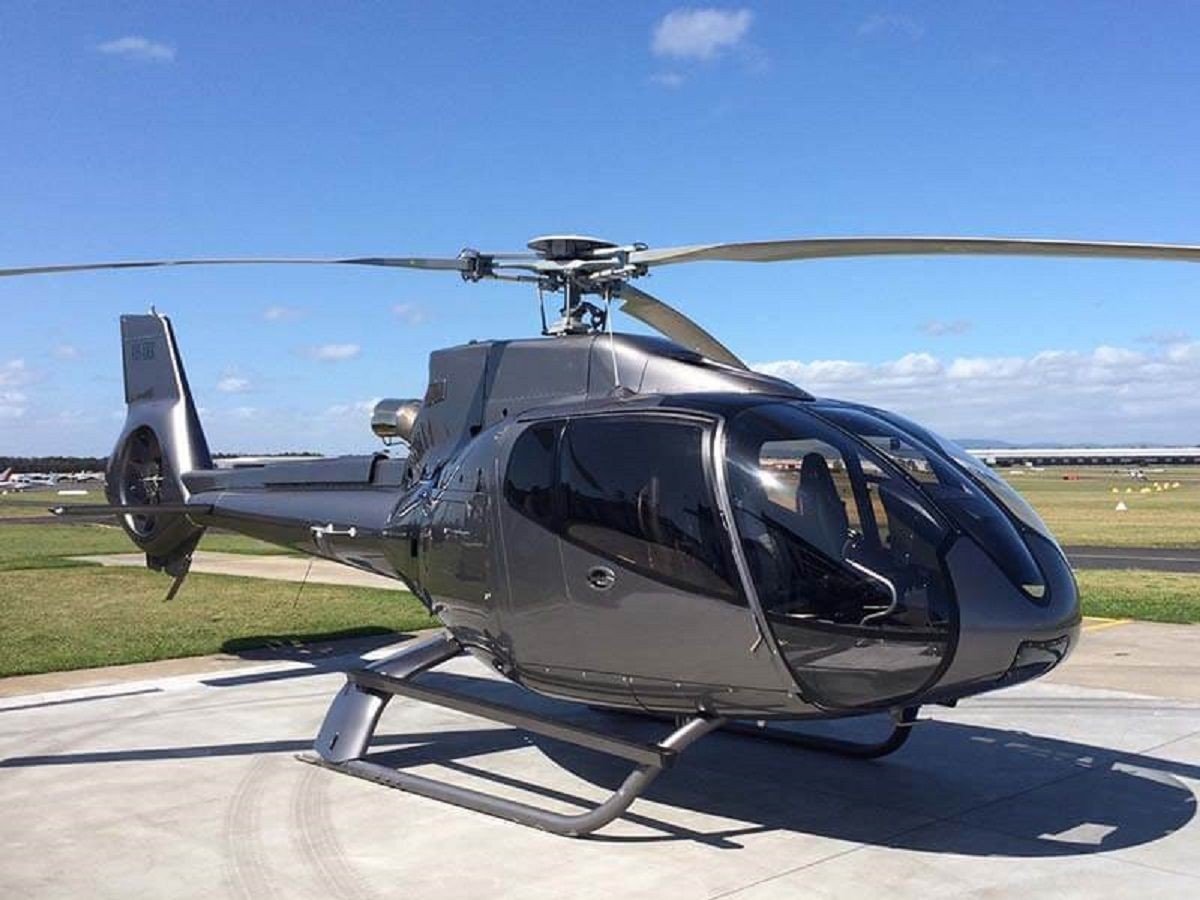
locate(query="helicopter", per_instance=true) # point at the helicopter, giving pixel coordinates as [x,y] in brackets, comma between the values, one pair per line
[635,523]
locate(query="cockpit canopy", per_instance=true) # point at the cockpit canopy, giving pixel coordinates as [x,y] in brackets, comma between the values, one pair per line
[844,517]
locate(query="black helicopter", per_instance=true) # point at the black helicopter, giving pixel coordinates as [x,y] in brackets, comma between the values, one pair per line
[635,523]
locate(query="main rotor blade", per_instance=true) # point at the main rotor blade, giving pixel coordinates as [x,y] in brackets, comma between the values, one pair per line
[669,321]
[401,262]
[831,248]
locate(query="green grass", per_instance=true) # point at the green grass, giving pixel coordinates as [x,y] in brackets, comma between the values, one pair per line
[49,546]
[1137,594]
[38,503]
[83,617]
[1082,512]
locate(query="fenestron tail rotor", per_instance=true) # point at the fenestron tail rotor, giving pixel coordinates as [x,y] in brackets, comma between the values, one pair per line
[578,266]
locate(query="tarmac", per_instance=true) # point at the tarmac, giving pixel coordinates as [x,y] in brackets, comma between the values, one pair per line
[180,780]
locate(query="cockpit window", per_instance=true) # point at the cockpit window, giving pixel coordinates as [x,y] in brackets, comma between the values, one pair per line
[971,507]
[1017,505]
[530,479]
[635,490]
[844,554]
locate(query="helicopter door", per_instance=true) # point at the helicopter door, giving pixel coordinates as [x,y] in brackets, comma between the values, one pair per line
[647,564]
[536,620]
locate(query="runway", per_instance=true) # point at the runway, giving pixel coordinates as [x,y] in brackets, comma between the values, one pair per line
[185,785]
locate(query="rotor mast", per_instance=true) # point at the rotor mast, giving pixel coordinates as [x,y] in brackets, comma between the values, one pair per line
[579,266]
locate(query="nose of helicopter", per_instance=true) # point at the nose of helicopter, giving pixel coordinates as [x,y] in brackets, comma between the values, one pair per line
[1007,636]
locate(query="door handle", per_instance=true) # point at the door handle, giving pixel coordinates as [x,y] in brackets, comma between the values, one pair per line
[601,578]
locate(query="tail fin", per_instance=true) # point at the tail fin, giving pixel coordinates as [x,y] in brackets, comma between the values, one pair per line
[161,440]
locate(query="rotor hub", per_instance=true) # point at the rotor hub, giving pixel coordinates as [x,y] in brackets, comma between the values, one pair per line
[568,246]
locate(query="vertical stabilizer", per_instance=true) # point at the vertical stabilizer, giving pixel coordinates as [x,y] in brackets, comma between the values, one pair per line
[161,440]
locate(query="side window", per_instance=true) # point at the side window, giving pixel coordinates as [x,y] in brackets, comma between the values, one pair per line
[529,481]
[635,491]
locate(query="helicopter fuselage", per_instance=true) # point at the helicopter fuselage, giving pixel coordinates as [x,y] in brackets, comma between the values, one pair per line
[617,520]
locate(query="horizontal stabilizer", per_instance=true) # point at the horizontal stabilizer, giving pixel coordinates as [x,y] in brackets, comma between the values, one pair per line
[149,509]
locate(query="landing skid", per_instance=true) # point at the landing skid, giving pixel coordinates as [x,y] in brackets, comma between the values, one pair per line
[351,721]
[902,723]
[354,714]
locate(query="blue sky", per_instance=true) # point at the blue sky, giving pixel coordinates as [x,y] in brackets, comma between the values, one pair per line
[139,130]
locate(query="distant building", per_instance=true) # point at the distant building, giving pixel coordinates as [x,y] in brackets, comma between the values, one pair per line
[1090,456]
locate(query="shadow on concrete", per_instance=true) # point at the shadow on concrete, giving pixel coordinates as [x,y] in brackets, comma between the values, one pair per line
[334,651]
[1060,798]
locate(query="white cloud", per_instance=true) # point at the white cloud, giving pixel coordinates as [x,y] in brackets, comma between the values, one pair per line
[1165,338]
[232,383]
[66,351]
[668,79]
[14,372]
[280,313]
[358,408]
[1109,394]
[335,352]
[410,313]
[134,46]
[702,34]
[13,402]
[938,328]
[892,24]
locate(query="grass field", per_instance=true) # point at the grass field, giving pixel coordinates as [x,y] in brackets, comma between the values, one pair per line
[57,613]
[1083,511]
[1137,594]
[49,546]
[38,502]
[91,616]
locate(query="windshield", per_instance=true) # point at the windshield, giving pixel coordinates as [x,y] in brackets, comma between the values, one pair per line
[1017,505]
[971,507]
[845,555]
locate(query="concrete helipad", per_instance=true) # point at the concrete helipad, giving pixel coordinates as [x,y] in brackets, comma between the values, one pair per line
[187,786]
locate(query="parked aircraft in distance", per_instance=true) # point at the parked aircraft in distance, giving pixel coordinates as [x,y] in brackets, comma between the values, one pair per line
[9,482]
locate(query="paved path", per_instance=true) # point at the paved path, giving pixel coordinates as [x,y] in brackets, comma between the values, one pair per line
[1158,559]
[186,786]
[283,568]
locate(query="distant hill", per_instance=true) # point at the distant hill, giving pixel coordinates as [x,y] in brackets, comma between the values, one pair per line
[266,455]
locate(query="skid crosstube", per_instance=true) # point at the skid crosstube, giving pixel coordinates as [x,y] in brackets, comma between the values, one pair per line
[354,714]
